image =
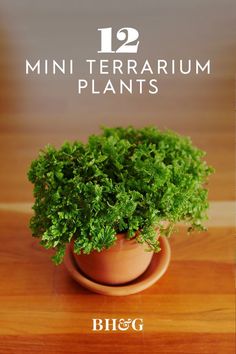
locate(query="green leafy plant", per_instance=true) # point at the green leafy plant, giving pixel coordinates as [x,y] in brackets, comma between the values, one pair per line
[124,180]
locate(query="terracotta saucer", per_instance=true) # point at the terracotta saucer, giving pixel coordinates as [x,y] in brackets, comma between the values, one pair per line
[156,269]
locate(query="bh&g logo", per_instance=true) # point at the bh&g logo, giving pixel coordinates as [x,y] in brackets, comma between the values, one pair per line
[114,324]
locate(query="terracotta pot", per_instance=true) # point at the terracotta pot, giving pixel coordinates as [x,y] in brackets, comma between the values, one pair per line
[124,261]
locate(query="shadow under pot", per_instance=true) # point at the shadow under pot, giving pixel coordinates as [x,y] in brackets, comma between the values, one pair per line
[123,262]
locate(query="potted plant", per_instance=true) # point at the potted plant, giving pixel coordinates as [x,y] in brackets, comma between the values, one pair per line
[118,192]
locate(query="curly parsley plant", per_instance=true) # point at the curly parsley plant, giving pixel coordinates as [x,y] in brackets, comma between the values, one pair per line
[124,180]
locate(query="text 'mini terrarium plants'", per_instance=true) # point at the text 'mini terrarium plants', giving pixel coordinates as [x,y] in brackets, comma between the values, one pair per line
[125,182]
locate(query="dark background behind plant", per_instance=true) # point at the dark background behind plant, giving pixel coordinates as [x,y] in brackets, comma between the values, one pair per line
[44,110]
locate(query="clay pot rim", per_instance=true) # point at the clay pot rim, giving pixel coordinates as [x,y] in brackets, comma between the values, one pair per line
[121,238]
[122,234]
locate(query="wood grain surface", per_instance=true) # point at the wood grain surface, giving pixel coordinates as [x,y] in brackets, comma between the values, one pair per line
[190,310]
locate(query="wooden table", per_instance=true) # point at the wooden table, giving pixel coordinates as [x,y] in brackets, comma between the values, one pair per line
[43,310]
[190,310]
